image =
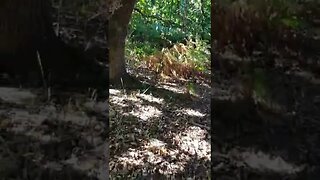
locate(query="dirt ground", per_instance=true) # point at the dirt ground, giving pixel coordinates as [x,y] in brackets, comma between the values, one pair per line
[160,131]
[49,140]
[63,137]
[273,133]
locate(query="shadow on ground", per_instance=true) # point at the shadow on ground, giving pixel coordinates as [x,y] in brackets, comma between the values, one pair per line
[160,132]
[272,137]
[57,141]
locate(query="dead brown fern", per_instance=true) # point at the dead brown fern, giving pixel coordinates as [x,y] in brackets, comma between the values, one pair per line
[171,62]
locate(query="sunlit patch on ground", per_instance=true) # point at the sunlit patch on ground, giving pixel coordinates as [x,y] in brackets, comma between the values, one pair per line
[194,142]
[150,98]
[262,161]
[139,108]
[168,160]
[175,89]
[145,112]
[191,112]
[153,135]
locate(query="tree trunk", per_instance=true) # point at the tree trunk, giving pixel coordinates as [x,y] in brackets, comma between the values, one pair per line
[23,25]
[25,29]
[118,25]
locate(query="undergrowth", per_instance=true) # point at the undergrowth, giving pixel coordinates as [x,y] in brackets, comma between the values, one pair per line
[181,60]
[248,25]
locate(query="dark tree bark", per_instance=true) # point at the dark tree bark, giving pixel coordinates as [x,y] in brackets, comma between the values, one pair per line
[117,32]
[23,25]
[25,29]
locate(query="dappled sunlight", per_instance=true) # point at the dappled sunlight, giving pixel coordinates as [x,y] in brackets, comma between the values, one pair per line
[114,91]
[139,108]
[194,141]
[149,156]
[153,133]
[119,98]
[175,89]
[266,162]
[168,160]
[162,126]
[151,98]
[144,112]
[262,161]
[191,112]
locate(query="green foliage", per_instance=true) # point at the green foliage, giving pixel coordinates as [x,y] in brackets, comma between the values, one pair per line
[170,21]
[248,25]
[137,50]
[180,60]
[191,88]
[178,29]
[282,12]
[199,55]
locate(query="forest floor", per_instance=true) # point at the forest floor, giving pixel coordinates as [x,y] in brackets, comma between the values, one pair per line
[51,140]
[273,135]
[161,131]
[63,137]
